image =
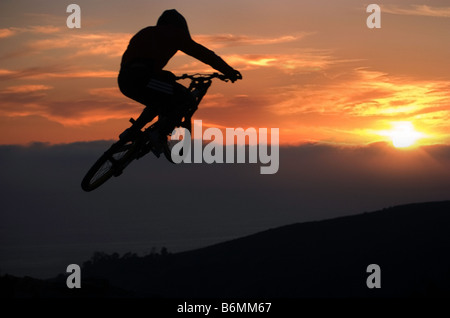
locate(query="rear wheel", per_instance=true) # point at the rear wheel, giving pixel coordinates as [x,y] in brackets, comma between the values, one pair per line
[111,163]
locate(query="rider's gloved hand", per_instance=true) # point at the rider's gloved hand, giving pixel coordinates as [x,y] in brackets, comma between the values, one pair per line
[234,75]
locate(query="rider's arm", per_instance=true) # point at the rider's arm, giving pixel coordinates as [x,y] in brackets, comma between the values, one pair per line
[207,56]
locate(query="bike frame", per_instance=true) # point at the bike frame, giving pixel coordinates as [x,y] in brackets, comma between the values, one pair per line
[198,87]
[122,153]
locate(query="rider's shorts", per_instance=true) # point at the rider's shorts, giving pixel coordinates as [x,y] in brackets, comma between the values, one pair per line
[153,89]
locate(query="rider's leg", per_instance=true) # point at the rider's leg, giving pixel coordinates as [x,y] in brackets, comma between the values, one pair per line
[146,116]
[175,108]
[132,83]
[170,113]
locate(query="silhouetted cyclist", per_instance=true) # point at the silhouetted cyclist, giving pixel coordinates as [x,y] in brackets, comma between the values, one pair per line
[141,76]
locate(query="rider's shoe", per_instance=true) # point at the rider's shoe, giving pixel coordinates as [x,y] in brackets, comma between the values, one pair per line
[129,134]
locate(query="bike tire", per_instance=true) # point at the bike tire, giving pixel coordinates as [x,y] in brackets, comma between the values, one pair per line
[111,163]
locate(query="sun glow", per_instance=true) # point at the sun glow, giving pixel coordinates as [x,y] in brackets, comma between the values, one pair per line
[403,134]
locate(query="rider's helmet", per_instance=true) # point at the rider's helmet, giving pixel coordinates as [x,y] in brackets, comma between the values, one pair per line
[174,18]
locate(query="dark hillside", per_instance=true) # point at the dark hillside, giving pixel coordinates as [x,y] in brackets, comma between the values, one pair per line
[410,243]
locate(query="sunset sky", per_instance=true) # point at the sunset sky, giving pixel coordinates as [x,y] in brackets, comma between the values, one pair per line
[343,96]
[311,68]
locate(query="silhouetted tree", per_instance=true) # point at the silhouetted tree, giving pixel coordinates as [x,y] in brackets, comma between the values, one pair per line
[164,251]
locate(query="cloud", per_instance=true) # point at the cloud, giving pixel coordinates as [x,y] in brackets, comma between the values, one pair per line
[231,40]
[306,60]
[106,92]
[40,29]
[55,41]
[352,108]
[83,74]
[103,44]
[56,72]
[101,104]
[112,45]
[85,111]
[313,94]
[22,99]
[365,93]
[6,33]
[418,10]
[35,29]
[25,89]
[90,111]
[4,72]
[284,81]
[214,101]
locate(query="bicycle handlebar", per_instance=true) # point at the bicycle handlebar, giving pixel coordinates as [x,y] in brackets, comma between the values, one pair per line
[199,76]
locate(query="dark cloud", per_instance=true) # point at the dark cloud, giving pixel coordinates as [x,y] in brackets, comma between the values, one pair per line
[6,75]
[48,222]
[89,109]
[13,99]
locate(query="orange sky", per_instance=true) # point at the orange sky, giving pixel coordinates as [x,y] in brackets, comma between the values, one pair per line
[311,68]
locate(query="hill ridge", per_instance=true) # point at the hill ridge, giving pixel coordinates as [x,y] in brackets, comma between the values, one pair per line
[326,258]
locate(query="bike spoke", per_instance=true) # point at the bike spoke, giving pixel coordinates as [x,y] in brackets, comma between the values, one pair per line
[110,164]
[104,169]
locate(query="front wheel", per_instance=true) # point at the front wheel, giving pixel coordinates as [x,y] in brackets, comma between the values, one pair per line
[111,163]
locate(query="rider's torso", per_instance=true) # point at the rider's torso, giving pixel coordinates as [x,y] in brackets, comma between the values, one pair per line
[157,44]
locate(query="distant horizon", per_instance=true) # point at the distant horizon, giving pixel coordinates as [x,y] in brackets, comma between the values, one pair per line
[47,220]
[305,71]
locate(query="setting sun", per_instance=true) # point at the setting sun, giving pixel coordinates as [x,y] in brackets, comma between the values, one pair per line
[403,134]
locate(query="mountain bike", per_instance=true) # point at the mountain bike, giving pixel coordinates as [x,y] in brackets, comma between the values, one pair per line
[122,153]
